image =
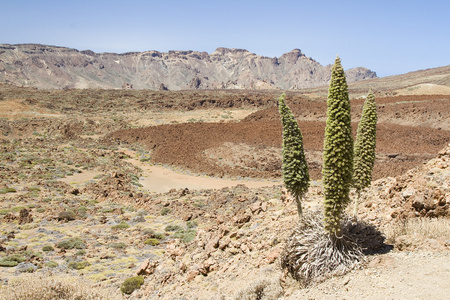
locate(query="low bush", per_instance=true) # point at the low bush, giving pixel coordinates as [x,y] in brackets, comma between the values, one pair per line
[47,248]
[165,211]
[78,265]
[152,241]
[132,284]
[122,225]
[120,245]
[185,235]
[72,243]
[51,264]
[173,228]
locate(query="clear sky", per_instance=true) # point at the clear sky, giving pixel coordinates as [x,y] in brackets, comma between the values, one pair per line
[389,37]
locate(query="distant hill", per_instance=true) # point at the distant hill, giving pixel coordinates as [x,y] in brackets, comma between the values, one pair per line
[45,66]
[434,81]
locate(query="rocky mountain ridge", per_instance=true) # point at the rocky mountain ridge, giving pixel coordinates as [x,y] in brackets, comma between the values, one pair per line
[46,66]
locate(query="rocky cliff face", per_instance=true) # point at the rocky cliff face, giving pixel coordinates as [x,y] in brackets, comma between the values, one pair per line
[59,67]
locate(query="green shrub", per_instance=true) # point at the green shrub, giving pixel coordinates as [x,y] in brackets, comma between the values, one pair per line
[120,245]
[78,265]
[72,243]
[152,241]
[165,211]
[82,211]
[8,263]
[66,215]
[148,231]
[132,284]
[185,236]
[80,253]
[15,257]
[11,260]
[51,264]
[122,225]
[173,228]
[7,190]
[47,248]
[191,224]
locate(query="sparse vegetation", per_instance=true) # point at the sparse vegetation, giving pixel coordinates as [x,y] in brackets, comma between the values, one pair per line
[221,239]
[47,286]
[311,254]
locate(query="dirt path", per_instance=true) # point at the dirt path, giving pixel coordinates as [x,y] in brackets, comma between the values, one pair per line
[158,179]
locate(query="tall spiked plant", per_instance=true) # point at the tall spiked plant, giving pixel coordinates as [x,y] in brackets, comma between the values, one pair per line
[338,151]
[365,145]
[294,168]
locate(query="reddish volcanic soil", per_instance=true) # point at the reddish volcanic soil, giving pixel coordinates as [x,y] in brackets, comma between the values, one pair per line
[411,130]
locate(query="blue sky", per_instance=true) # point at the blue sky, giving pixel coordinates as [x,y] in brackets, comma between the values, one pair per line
[389,37]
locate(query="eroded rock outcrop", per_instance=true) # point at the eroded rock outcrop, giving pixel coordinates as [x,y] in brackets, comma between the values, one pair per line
[59,67]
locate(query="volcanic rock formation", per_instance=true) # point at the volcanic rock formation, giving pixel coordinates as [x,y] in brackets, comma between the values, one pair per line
[45,66]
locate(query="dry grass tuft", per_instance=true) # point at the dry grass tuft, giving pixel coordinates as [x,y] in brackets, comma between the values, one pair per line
[421,227]
[261,288]
[48,287]
[312,255]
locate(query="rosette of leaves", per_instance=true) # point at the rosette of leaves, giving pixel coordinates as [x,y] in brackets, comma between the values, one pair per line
[294,167]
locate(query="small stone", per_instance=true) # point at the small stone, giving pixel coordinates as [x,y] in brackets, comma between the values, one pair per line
[147,267]
[408,193]
[272,256]
[241,219]
[212,244]
[25,216]
[418,202]
[224,242]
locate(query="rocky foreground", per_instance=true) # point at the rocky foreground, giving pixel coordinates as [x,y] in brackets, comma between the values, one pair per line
[75,208]
[203,244]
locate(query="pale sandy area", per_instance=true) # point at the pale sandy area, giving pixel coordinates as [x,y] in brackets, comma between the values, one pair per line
[198,115]
[80,178]
[161,180]
[16,109]
[425,89]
